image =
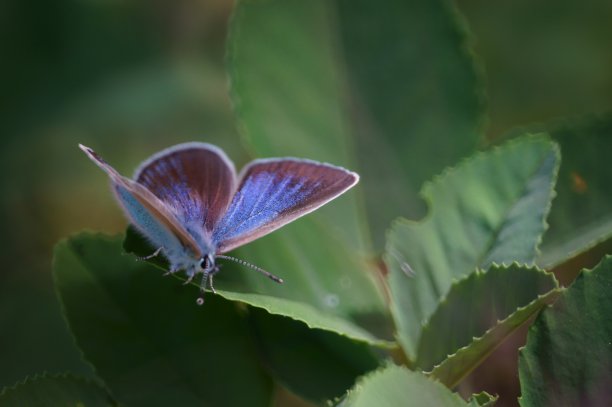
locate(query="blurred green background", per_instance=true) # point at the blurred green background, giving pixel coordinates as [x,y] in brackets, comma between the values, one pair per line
[130,78]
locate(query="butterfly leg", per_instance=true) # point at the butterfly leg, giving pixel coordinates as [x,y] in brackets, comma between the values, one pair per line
[210,277]
[172,270]
[150,256]
[190,275]
[205,277]
[210,282]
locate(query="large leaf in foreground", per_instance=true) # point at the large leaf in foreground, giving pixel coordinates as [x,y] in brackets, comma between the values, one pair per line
[397,386]
[582,214]
[56,390]
[491,208]
[286,87]
[307,77]
[145,336]
[412,115]
[292,106]
[568,357]
[312,294]
[477,315]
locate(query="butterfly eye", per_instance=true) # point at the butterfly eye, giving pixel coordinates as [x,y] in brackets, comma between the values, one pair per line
[205,262]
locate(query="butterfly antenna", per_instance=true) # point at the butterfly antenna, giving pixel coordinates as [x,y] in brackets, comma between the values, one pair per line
[254,267]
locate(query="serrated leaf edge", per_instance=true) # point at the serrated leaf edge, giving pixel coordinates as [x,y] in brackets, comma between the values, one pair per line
[380,343]
[367,338]
[30,379]
[492,398]
[361,381]
[563,290]
[546,298]
[424,192]
[478,273]
[66,242]
[467,45]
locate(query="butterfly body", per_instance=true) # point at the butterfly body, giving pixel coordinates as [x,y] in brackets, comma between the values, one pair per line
[189,203]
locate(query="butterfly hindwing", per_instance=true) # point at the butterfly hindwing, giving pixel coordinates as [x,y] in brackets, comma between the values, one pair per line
[196,179]
[274,192]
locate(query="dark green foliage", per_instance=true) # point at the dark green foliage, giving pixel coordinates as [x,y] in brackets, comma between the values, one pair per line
[147,339]
[388,89]
[478,314]
[568,357]
[316,364]
[57,390]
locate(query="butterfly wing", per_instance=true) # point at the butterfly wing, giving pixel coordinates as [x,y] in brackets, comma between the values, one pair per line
[150,215]
[274,192]
[197,180]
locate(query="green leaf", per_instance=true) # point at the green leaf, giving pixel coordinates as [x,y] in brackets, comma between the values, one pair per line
[145,335]
[477,315]
[56,390]
[413,116]
[582,214]
[397,386]
[307,77]
[287,93]
[325,293]
[482,399]
[315,364]
[491,208]
[286,87]
[567,270]
[29,307]
[568,357]
[542,61]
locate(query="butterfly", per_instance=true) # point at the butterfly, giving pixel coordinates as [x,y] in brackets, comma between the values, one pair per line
[189,203]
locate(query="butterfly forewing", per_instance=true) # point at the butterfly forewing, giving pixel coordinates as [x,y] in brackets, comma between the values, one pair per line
[150,215]
[274,192]
[196,179]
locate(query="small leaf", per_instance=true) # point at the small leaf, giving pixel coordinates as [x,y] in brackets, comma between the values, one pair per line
[482,399]
[394,386]
[491,208]
[315,364]
[477,315]
[312,294]
[568,357]
[56,390]
[146,337]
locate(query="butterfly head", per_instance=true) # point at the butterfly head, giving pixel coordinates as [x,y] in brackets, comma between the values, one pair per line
[206,264]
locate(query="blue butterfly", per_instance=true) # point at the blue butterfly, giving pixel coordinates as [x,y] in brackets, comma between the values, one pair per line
[189,203]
